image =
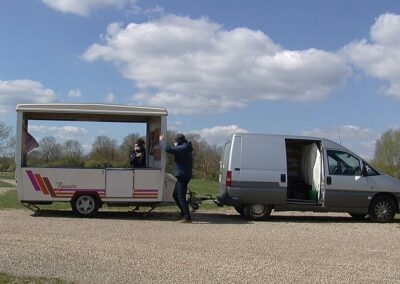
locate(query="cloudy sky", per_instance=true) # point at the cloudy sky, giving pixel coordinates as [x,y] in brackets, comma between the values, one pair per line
[318,68]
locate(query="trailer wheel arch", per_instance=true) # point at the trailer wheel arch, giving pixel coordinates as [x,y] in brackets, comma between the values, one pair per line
[85,205]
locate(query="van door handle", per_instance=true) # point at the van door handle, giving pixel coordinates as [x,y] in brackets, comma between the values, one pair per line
[328,180]
[237,169]
[283,178]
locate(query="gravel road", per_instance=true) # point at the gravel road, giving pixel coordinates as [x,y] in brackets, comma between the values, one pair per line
[122,247]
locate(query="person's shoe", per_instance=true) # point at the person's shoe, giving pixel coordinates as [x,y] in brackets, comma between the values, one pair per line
[183,220]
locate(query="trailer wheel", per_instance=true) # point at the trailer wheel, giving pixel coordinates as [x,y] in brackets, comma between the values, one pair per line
[85,205]
[382,209]
[257,212]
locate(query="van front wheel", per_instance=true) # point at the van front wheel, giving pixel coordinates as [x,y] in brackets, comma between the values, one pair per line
[257,212]
[382,209]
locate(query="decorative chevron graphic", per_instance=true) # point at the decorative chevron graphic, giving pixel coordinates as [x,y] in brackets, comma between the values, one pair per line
[44,185]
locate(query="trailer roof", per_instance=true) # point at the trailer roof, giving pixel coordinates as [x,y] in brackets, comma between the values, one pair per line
[92,109]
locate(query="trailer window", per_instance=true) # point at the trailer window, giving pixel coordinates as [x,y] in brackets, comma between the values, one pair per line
[82,144]
[342,163]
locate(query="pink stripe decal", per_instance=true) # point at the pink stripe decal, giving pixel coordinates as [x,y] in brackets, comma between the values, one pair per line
[33,180]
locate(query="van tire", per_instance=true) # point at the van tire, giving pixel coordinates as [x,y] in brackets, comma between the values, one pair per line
[382,209]
[257,212]
[239,209]
[85,205]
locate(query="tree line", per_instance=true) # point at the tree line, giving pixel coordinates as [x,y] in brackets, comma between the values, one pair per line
[106,152]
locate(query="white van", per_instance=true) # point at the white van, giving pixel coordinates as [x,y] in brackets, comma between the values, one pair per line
[261,172]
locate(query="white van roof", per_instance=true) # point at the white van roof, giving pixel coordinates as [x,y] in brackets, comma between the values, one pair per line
[329,144]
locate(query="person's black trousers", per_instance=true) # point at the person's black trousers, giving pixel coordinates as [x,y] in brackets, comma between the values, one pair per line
[179,195]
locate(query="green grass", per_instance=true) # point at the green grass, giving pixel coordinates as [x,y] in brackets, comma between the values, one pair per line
[5,184]
[7,278]
[203,187]
[7,175]
[9,200]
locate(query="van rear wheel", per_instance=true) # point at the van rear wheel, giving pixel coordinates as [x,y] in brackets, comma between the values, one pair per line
[257,212]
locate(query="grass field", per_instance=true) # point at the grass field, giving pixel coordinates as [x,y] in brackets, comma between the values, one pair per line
[7,175]
[6,278]
[204,187]
[4,184]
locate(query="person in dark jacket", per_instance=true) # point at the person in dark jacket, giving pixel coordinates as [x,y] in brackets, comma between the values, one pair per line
[138,156]
[183,163]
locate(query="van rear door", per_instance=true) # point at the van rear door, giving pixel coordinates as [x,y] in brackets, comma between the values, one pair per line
[263,170]
[224,165]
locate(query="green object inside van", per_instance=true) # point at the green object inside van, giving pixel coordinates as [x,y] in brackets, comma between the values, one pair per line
[313,195]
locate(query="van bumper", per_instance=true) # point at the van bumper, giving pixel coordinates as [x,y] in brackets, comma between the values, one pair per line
[226,199]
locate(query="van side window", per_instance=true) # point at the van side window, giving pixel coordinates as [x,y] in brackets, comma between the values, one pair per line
[342,163]
[370,170]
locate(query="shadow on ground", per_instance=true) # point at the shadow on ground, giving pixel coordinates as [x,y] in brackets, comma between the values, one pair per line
[206,217]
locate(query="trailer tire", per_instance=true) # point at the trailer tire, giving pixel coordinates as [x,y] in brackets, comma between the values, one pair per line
[257,212]
[85,205]
[382,209]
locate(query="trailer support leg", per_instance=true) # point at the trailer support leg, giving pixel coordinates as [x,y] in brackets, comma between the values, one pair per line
[31,207]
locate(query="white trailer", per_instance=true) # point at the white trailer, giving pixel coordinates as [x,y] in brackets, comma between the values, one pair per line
[87,189]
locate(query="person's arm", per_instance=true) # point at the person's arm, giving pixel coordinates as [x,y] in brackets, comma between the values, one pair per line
[169,148]
[174,149]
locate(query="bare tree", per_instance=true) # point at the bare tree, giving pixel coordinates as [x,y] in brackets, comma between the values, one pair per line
[104,148]
[209,158]
[72,152]
[49,149]
[7,141]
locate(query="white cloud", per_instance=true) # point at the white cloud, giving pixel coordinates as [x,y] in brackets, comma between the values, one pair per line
[61,133]
[74,93]
[175,125]
[195,65]
[359,140]
[380,57]
[23,92]
[110,98]
[85,7]
[218,134]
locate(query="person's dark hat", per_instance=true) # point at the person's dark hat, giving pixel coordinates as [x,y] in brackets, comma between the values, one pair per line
[179,138]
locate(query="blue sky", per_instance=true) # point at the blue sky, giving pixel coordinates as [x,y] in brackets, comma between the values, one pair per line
[320,68]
